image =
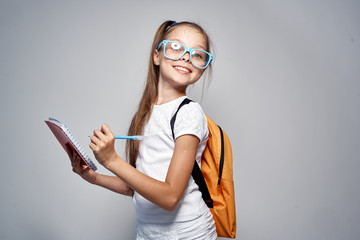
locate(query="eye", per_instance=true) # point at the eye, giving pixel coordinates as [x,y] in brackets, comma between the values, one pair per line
[175,46]
[198,54]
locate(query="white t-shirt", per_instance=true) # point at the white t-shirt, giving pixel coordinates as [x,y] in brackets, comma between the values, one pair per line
[155,154]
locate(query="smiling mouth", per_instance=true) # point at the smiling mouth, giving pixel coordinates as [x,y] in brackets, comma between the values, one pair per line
[183,69]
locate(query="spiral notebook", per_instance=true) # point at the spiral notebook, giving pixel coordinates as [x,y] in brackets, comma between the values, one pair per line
[67,139]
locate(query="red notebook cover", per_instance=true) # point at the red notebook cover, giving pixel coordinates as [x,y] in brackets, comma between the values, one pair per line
[67,139]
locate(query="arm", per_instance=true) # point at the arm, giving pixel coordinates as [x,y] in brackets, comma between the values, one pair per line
[164,194]
[112,183]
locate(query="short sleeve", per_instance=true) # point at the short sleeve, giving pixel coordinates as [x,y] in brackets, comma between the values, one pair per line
[191,120]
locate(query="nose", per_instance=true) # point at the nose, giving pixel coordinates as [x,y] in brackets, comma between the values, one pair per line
[186,57]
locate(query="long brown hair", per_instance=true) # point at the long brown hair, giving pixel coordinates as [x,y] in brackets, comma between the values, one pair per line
[150,93]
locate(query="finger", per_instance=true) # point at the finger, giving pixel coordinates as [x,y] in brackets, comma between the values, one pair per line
[106,130]
[85,169]
[93,147]
[99,134]
[95,140]
[72,155]
[75,160]
[75,165]
[72,160]
[78,165]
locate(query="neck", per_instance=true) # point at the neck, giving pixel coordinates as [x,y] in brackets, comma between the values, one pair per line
[167,94]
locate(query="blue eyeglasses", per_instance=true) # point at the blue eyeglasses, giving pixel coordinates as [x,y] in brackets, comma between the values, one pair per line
[174,51]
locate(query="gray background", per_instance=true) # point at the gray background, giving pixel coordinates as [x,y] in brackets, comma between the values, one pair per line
[286,89]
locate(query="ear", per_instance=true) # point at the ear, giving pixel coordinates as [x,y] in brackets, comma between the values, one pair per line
[156,58]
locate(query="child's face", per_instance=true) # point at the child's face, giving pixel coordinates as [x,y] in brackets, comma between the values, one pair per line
[180,73]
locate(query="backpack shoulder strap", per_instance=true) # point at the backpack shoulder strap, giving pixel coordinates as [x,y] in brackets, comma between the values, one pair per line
[196,172]
[200,181]
[172,121]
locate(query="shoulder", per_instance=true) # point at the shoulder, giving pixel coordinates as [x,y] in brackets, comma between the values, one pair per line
[191,119]
[193,106]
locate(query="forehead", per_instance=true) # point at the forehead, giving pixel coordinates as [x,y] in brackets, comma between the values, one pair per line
[187,35]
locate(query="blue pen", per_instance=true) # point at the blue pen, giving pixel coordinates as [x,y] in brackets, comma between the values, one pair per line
[129,137]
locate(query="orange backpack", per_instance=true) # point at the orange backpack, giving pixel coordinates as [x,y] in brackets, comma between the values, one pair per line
[215,179]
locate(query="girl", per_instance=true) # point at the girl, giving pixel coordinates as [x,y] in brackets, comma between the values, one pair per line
[168,202]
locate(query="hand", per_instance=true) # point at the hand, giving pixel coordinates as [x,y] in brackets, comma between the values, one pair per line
[102,144]
[80,168]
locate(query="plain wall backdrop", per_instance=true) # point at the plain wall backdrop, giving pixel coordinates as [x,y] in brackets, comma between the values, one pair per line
[285,87]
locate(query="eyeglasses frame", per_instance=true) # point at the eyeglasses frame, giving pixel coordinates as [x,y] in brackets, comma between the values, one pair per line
[187,49]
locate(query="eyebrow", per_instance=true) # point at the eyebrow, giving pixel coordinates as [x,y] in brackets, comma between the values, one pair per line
[198,46]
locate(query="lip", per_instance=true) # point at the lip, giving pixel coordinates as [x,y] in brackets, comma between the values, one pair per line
[176,67]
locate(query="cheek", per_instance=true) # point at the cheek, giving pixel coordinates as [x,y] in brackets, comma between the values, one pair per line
[200,72]
[164,62]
